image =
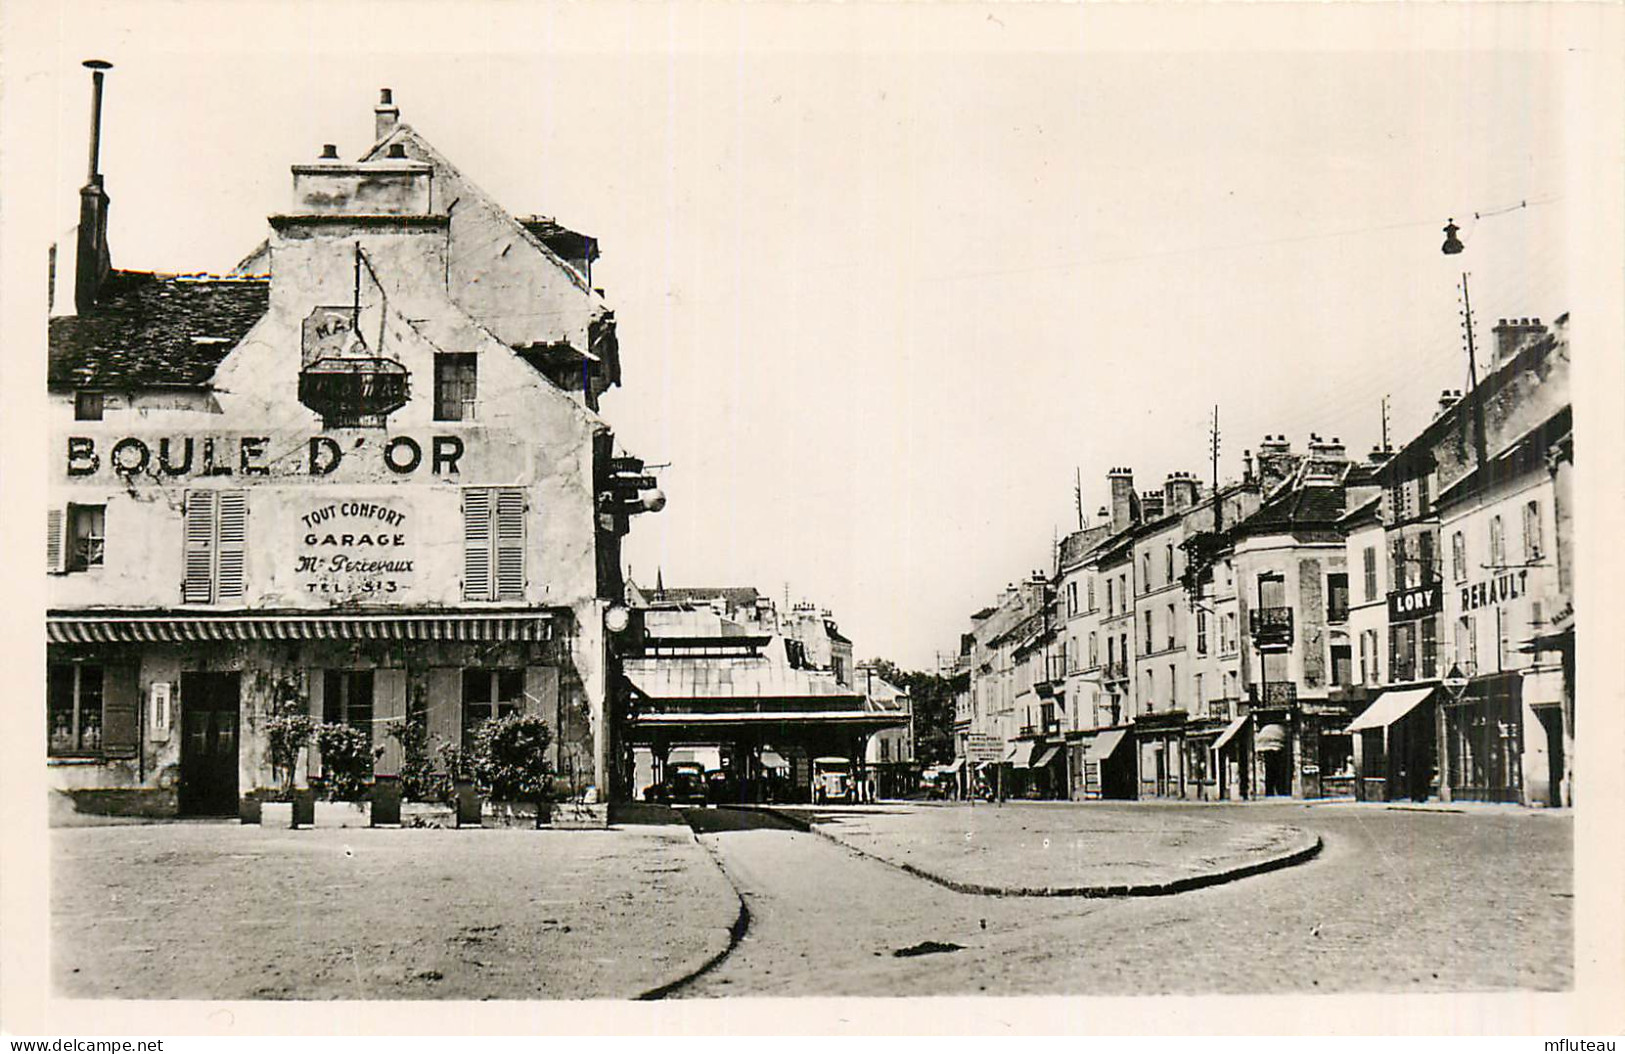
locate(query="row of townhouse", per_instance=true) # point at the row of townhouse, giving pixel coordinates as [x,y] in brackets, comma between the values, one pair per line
[1394,626]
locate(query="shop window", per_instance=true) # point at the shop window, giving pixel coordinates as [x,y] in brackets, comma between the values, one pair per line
[1370,573]
[489,693]
[74,709]
[215,526]
[1458,557]
[87,406]
[454,386]
[493,543]
[1532,548]
[347,699]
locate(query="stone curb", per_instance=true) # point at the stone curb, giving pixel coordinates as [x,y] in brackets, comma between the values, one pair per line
[1146,889]
[706,963]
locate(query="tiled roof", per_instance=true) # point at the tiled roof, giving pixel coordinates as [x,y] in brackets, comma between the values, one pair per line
[1307,505]
[740,678]
[737,596]
[151,330]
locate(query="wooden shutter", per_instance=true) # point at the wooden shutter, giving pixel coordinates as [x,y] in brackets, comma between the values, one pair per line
[445,709]
[389,709]
[542,693]
[197,585]
[231,545]
[315,685]
[56,546]
[476,544]
[510,544]
[121,711]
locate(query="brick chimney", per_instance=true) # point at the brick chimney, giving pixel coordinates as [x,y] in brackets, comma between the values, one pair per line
[386,115]
[1276,462]
[1327,450]
[1121,481]
[1180,492]
[1511,334]
[1151,507]
[92,260]
[1447,398]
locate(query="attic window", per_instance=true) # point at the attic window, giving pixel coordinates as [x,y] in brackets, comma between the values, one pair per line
[87,406]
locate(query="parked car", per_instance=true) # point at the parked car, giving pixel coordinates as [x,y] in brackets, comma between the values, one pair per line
[831,780]
[722,787]
[684,785]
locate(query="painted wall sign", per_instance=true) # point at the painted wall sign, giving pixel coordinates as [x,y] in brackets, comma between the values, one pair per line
[178,457]
[1415,602]
[1497,590]
[354,550]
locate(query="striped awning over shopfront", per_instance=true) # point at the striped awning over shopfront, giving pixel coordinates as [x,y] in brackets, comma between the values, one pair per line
[172,628]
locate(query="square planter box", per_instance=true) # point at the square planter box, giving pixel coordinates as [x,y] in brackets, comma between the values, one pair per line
[580,816]
[343,814]
[427,814]
[514,814]
[285,814]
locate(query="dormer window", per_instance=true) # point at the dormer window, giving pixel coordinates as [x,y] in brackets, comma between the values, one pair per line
[87,406]
[454,386]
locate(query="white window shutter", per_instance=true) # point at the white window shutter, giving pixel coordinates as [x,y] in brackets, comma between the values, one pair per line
[476,544]
[232,545]
[56,548]
[510,544]
[197,586]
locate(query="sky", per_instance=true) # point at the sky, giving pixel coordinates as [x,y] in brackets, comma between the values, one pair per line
[886,278]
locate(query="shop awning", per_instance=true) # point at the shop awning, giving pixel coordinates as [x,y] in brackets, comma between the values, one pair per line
[1270,737]
[1017,750]
[1025,752]
[1390,707]
[1046,757]
[1229,732]
[1106,744]
[958,763]
[173,628]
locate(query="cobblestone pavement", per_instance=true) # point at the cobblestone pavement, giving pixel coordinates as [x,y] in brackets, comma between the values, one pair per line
[1052,845]
[1396,901]
[221,911]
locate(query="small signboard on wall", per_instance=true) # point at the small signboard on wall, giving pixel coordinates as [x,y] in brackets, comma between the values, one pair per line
[159,703]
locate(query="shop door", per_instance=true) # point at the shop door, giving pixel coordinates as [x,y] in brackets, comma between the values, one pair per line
[209,706]
[1551,719]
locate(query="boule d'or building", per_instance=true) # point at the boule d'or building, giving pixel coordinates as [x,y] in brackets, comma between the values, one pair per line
[364,475]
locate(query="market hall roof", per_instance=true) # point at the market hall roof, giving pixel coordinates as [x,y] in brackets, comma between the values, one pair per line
[155,331]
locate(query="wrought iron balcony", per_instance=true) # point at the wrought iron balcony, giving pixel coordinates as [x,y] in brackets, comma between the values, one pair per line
[1116,671]
[1271,625]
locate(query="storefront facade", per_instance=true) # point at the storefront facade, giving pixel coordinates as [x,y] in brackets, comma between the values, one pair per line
[329,489]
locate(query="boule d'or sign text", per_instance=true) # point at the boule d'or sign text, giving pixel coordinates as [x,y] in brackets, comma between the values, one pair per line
[185,457]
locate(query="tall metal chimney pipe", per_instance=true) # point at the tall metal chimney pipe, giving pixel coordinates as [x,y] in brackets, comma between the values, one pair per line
[96,68]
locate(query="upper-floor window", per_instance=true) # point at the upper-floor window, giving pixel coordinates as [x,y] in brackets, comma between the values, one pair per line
[1532,548]
[1150,640]
[1458,556]
[1337,598]
[1426,559]
[1173,685]
[1145,573]
[1172,620]
[1370,573]
[1110,609]
[1398,573]
[87,406]
[1170,562]
[1094,650]
[1201,631]
[215,562]
[493,543]
[1091,594]
[454,386]
[1111,651]
[1498,544]
[1122,592]
[1072,598]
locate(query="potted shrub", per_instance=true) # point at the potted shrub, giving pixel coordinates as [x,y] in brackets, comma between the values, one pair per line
[510,761]
[288,732]
[425,790]
[348,757]
[463,794]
